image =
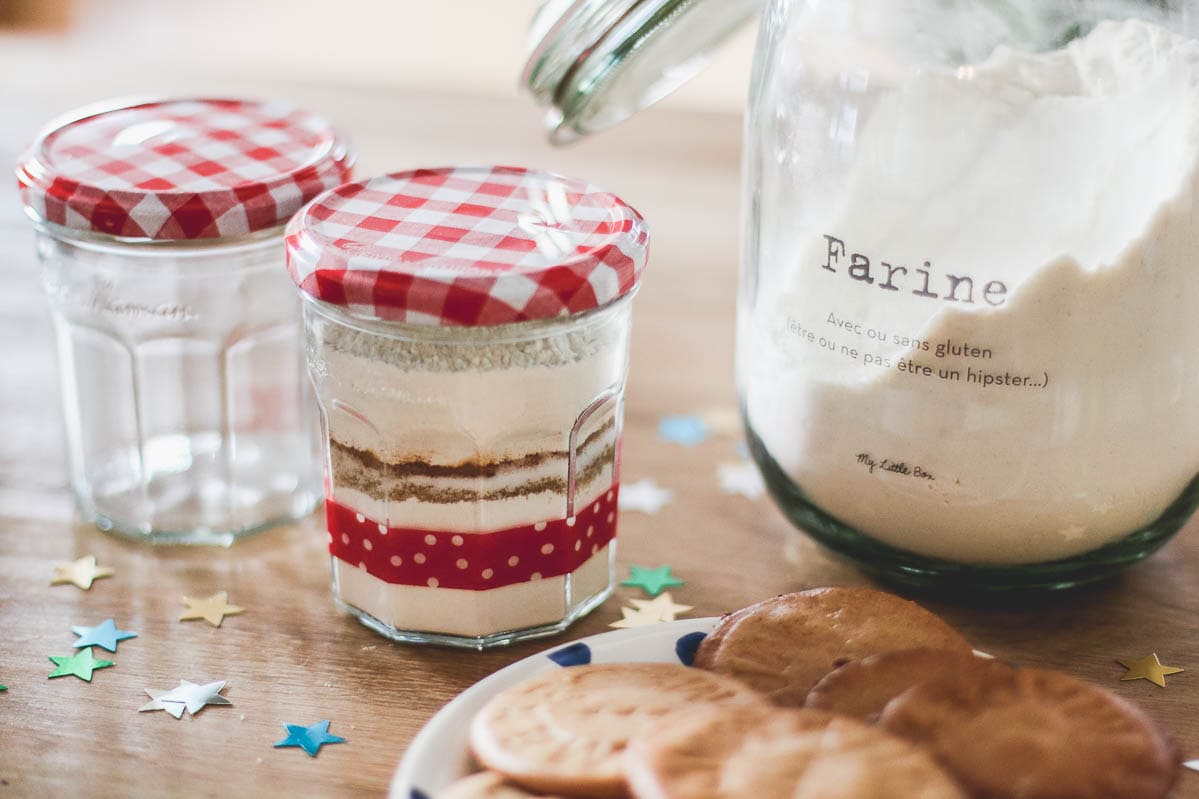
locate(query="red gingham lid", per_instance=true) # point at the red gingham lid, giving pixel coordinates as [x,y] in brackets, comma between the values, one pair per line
[467,246]
[181,169]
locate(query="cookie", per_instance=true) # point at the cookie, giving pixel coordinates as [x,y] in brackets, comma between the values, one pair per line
[487,785]
[862,688]
[1036,734]
[785,645]
[735,753]
[566,731]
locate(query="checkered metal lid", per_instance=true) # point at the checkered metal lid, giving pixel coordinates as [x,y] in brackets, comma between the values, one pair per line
[181,169]
[467,246]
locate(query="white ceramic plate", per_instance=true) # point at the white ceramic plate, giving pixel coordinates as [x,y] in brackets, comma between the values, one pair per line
[439,754]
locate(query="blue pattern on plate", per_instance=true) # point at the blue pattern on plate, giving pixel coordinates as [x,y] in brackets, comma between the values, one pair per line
[574,655]
[418,794]
[686,646]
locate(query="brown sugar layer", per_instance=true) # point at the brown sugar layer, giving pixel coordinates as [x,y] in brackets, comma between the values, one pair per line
[370,482]
[481,467]
[362,471]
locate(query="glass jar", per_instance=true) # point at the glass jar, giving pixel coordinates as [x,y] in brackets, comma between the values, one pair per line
[159,232]
[467,334]
[967,339]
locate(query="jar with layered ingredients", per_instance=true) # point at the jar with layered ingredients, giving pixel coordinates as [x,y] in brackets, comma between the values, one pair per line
[467,333]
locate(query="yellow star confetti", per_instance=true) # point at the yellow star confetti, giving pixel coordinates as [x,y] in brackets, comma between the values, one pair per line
[211,609]
[1148,668]
[636,618]
[664,605]
[81,573]
[724,421]
[649,611]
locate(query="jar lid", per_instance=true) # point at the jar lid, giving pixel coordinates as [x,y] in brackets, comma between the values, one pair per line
[181,169]
[595,63]
[467,246]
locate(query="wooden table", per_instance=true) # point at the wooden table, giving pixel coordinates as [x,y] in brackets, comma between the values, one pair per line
[292,657]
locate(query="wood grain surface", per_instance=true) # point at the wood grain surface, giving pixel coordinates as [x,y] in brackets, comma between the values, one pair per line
[292,657]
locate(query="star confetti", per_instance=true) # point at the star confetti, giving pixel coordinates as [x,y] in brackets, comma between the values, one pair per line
[211,609]
[724,421]
[81,665]
[652,581]
[636,618]
[189,696]
[686,430]
[741,478]
[645,496]
[664,605]
[310,738]
[81,573]
[1148,668]
[3,687]
[1193,765]
[174,708]
[104,635]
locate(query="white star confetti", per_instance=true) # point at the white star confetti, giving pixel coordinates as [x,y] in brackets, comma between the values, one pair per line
[1072,532]
[188,696]
[1193,765]
[741,478]
[645,496]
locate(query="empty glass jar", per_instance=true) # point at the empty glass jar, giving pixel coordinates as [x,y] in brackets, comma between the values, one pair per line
[159,232]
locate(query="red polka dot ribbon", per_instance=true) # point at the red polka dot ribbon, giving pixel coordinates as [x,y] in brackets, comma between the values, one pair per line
[471,561]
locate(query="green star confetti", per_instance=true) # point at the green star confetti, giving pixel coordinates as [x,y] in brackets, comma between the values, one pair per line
[3,687]
[652,581]
[81,665]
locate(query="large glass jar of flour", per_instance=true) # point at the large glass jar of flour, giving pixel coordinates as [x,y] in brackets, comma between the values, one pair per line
[468,333]
[160,236]
[968,344]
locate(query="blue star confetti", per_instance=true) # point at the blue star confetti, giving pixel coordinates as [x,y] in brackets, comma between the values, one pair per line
[686,430]
[104,635]
[310,738]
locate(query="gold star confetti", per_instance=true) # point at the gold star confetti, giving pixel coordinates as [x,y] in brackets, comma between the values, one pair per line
[81,573]
[636,618]
[1148,668]
[649,611]
[211,609]
[724,421]
[663,605]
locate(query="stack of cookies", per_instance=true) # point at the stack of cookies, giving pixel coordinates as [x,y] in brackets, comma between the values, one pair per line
[835,693]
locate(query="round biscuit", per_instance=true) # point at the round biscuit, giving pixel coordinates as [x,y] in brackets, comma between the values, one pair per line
[862,688]
[566,730]
[1036,734]
[785,645]
[773,753]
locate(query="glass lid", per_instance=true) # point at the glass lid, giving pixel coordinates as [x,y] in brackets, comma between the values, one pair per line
[595,63]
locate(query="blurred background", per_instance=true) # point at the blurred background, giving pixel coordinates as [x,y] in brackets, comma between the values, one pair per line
[465,46]
[413,83]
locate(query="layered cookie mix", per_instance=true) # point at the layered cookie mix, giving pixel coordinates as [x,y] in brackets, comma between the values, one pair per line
[467,335]
[514,439]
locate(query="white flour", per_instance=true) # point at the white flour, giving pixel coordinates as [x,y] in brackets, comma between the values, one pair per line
[1059,191]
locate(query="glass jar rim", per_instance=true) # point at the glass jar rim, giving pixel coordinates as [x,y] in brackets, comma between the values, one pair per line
[595,63]
[508,333]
